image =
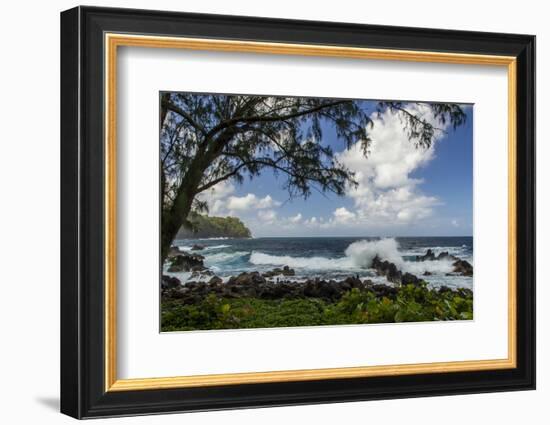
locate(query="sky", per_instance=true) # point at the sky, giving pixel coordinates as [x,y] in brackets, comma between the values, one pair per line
[402,191]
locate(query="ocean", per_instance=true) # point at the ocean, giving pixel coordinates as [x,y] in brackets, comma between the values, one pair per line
[331,257]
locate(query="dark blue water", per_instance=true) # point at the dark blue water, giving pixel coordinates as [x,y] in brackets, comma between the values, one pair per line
[333,257]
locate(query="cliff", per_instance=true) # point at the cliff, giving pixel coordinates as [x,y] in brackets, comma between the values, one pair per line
[214,227]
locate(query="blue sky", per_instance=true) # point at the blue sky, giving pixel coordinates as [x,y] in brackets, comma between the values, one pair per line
[403,191]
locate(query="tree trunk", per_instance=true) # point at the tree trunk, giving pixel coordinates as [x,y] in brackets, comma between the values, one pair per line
[176,215]
[172,220]
[165,97]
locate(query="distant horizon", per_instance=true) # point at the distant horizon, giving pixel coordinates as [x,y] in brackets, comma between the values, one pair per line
[336,236]
[333,236]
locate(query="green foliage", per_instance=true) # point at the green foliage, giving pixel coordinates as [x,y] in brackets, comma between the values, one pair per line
[203,226]
[412,304]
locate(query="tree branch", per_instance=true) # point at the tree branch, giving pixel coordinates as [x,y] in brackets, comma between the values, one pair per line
[413,117]
[222,178]
[260,118]
[170,106]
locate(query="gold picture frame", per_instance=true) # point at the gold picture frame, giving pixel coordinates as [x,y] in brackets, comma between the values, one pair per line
[114,41]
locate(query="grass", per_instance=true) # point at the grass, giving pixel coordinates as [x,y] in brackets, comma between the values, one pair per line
[411,304]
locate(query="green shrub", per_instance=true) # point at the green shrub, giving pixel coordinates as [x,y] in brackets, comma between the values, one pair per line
[411,304]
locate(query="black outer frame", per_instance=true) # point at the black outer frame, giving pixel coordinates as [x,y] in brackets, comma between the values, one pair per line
[82,217]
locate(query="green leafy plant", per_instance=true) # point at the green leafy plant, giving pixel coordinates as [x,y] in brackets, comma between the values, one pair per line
[409,304]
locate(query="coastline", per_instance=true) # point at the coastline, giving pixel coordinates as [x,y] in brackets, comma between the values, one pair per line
[279,297]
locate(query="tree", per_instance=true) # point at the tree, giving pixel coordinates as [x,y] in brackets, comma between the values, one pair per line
[207,139]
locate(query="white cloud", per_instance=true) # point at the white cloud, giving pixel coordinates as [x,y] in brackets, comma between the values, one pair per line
[268,216]
[267,202]
[454,223]
[342,215]
[387,193]
[312,221]
[295,219]
[221,201]
[215,196]
[220,190]
[249,202]
[242,203]
[216,206]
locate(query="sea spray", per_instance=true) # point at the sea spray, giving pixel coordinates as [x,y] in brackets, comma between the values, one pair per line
[358,255]
[363,252]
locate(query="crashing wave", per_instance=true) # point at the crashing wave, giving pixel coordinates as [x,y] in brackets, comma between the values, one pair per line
[358,255]
[309,263]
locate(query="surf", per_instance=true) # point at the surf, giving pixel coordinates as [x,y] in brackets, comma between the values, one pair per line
[358,256]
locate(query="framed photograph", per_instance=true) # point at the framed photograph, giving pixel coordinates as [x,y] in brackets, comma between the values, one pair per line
[261,212]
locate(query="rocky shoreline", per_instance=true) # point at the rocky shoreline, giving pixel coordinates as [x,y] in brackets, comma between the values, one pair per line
[275,284]
[460,267]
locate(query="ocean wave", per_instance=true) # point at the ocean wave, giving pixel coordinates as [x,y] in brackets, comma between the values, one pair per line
[358,255]
[206,248]
[224,257]
[184,248]
[363,252]
[453,250]
[436,267]
[309,263]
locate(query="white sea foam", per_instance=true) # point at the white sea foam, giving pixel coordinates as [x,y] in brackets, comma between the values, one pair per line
[453,250]
[359,255]
[207,248]
[184,248]
[309,263]
[420,267]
